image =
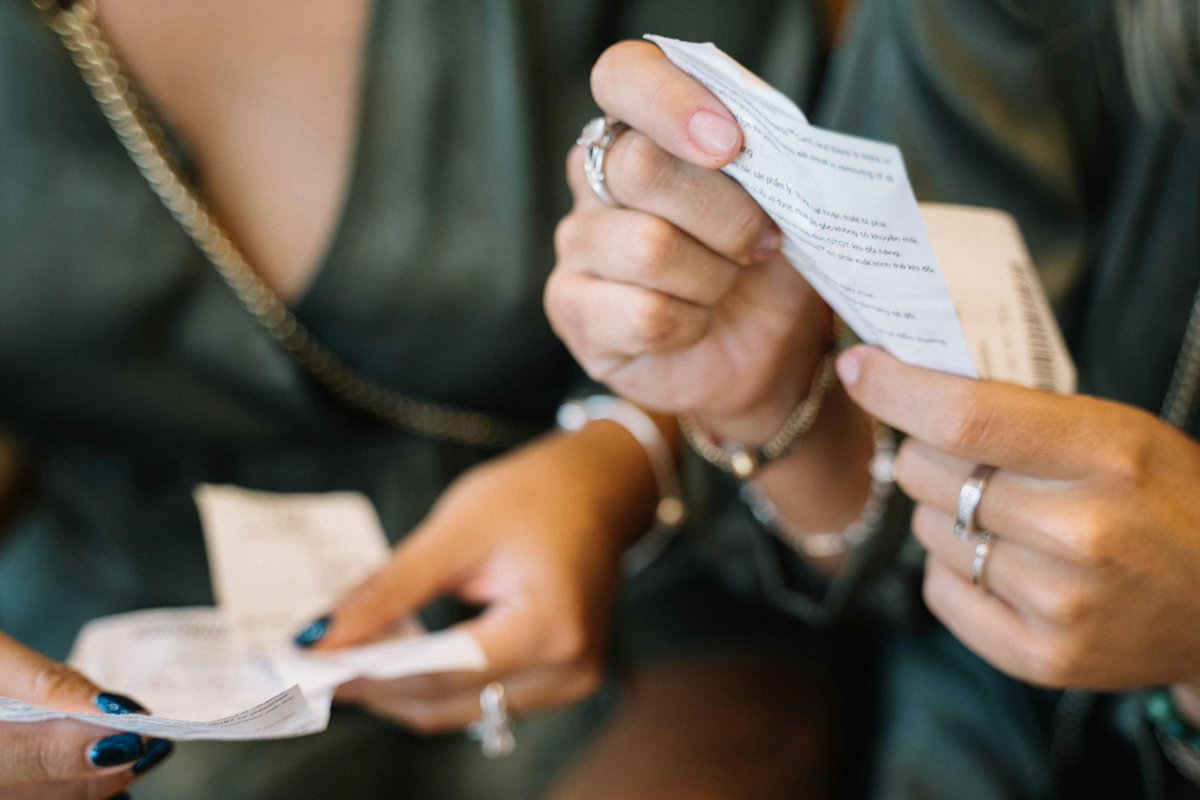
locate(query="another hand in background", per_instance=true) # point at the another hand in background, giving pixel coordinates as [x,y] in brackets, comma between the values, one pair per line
[65,759]
[535,537]
[680,300]
[1092,578]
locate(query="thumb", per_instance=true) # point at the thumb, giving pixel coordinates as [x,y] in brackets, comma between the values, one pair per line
[636,83]
[417,573]
[34,678]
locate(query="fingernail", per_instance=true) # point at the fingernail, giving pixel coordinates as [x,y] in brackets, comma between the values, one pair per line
[313,632]
[768,245]
[157,750]
[848,368]
[117,704]
[122,796]
[712,133]
[120,749]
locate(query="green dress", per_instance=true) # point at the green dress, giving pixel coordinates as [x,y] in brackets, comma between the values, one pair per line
[129,372]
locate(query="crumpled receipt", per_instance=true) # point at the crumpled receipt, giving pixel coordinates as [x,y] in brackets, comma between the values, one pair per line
[231,672]
[852,227]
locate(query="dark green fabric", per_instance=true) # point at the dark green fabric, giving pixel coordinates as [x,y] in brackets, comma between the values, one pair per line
[1022,105]
[130,373]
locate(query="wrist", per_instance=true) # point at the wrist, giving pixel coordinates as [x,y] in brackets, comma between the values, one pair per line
[623,491]
[756,422]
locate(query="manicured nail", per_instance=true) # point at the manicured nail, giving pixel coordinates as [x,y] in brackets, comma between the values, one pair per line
[117,704]
[712,133]
[768,245]
[313,632]
[120,749]
[122,796]
[157,750]
[848,368]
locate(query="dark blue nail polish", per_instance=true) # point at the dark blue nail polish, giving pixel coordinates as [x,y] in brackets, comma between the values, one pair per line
[116,704]
[120,749]
[313,632]
[157,751]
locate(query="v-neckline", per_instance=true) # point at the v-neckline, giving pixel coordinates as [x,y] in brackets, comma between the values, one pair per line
[365,87]
[357,160]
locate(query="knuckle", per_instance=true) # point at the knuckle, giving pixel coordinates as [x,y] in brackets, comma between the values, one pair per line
[605,69]
[1069,605]
[1089,537]
[1128,455]
[567,234]
[1054,662]
[568,643]
[586,681]
[654,325]
[746,229]
[56,683]
[639,167]
[422,720]
[969,422]
[653,243]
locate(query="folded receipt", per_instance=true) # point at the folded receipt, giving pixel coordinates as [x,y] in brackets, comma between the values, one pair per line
[230,672]
[852,227]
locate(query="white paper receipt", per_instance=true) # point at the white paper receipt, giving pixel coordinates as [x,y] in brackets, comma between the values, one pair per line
[848,214]
[280,560]
[232,672]
[285,715]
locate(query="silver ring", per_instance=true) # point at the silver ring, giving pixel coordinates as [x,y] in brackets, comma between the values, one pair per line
[968,501]
[597,139]
[983,551]
[493,730]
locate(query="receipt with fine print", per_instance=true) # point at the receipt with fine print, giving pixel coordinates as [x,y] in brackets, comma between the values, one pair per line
[281,560]
[849,218]
[184,665]
[285,715]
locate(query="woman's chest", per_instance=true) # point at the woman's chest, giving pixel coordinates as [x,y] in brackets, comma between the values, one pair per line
[430,267]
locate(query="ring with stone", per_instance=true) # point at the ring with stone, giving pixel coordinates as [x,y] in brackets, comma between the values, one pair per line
[494,729]
[597,139]
[968,501]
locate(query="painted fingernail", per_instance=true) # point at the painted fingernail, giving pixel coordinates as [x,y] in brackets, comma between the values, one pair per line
[768,245]
[313,632]
[712,133]
[120,749]
[848,368]
[122,796]
[117,704]
[157,751]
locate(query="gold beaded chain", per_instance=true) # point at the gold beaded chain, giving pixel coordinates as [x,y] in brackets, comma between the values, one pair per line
[134,123]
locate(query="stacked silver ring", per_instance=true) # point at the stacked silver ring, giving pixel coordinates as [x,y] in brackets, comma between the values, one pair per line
[965,525]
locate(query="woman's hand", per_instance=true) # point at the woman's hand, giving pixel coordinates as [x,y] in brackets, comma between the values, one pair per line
[65,759]
[680,300]
[535,537]
[1094,578]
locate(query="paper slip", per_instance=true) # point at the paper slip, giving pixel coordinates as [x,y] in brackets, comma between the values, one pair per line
[1006,318]
[282,716]
[848,214]
[281,560]
[183,664]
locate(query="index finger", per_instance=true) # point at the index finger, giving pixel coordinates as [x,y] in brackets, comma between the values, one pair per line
[636,83]
[1002,424]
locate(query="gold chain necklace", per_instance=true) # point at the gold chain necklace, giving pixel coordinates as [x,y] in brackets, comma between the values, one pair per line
[141,135]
